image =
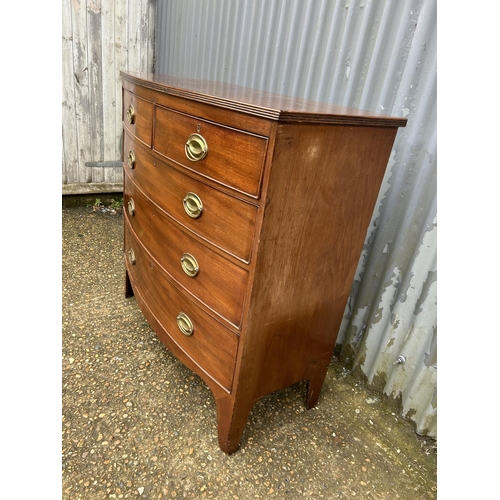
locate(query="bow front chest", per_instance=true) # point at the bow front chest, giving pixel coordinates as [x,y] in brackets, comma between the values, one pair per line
[245,217]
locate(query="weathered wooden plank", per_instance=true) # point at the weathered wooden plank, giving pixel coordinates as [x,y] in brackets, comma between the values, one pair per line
[109,69]
[95,85]
[143,35]
[133,45]
[81,83]
[121,61]
[140,32]
[90,187]
[150,42]
[69,129]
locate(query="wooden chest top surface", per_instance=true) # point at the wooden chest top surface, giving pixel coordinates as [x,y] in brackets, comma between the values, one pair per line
[260,103]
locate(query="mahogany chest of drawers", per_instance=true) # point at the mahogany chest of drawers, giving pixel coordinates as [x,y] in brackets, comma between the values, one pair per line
[245,216]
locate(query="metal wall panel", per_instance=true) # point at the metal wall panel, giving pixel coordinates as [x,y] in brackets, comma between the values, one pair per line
[371,54]
[99,38]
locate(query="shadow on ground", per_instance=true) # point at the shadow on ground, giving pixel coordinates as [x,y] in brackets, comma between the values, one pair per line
[138,424]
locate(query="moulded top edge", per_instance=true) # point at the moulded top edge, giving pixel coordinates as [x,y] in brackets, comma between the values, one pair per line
[260,103]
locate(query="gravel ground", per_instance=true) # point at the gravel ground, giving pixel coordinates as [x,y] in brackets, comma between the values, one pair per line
[138,424]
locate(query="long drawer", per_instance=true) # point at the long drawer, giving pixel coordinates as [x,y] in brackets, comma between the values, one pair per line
[212,279]
[232,157]
[211,346]
[219,218]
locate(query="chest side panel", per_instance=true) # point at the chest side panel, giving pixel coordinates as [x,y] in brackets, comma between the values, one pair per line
[322,189]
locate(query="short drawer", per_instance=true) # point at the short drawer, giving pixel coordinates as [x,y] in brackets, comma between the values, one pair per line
[211,346]
[217,217]
[210,278]
[232,157]
[138,117]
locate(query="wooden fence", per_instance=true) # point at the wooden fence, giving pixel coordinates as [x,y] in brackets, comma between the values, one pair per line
[99,38]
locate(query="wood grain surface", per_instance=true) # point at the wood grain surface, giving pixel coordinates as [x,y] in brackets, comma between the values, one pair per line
[219,285]
[234,158]
[292,205]
[212,348]
[226,222]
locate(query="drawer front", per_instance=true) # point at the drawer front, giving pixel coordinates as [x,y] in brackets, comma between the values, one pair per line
[138,117]
[210,346]
[233,157]
[223,221]
[212,279]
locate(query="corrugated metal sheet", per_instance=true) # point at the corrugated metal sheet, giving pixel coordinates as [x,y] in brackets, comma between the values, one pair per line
[99,38]
[361,53]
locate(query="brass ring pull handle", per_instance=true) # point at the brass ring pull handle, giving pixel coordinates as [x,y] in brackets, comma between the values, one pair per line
[185,324]
[131,114]
[131,257]
[196,147]
[131,206]
[193,205]
[131,159]
[189,265]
